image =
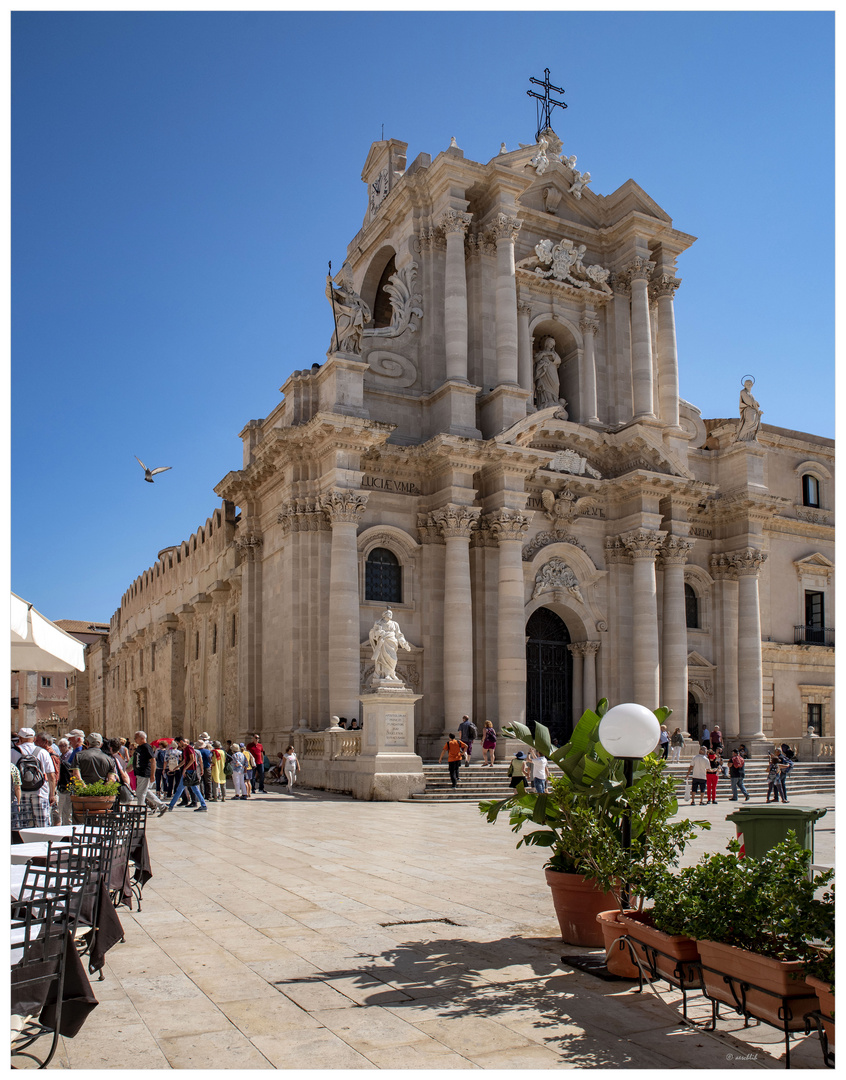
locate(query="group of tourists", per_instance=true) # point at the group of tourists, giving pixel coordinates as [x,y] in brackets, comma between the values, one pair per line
[163,774]
[459,749]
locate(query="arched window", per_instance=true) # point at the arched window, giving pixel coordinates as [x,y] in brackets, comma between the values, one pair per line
[382,309]
[691,608]
[383,577]
[810,490]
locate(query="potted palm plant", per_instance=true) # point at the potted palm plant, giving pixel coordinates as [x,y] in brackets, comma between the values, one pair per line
[579,821]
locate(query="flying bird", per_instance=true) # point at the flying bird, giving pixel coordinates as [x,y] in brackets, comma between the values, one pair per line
[150,473]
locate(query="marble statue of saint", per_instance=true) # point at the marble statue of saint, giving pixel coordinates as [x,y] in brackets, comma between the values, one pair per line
[750,415]
[547,386]
[350,312]
[385,638]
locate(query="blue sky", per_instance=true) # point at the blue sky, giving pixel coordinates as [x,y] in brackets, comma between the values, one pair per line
[180,180]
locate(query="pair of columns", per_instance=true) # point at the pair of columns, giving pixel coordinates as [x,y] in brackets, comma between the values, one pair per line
[634,283]
[660,674]
[584,676]
[503,231]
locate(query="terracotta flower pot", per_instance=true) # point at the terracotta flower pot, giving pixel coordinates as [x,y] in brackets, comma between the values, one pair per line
[91,804]
[618,961]
[577,903]
[825,997]
[682,949]
[783,978]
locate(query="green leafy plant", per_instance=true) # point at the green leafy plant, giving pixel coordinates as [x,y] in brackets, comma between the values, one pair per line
[81,789]
[767,905]
[580,817]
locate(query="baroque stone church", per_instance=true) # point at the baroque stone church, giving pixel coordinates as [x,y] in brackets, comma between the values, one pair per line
[494,447]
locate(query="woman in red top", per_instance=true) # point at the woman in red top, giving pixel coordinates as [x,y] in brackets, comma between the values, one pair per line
[454,748]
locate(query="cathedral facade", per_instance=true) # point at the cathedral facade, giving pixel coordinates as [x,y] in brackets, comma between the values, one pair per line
[495,448]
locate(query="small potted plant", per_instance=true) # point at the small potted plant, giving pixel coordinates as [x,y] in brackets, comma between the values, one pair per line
[91,798]
[820,975]
[758,921]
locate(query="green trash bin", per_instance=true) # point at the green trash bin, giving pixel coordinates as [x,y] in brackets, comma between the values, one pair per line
[760,828]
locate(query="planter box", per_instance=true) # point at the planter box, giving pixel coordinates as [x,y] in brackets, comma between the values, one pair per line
[617,960]
[825,999]
[91,804]
[577,903]
[680,953]
[784,979]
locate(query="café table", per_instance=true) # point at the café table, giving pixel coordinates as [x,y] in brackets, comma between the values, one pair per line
[54,832]
[22,853]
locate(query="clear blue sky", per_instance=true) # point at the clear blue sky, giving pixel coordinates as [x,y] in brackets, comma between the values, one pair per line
[180,180]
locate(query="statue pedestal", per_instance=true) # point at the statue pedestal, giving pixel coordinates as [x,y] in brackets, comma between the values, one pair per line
[387,766]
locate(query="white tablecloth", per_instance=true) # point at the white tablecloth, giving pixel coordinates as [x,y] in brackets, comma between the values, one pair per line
[22,853]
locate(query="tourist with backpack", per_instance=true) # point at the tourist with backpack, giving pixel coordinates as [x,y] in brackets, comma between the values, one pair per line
[38,780]
[488,744]
[454,749]
[467,731]
[737,771]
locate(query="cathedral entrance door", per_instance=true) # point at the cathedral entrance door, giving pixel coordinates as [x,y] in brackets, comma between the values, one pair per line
[549,674]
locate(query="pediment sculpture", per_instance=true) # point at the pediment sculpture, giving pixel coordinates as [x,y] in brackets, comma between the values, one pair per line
[556,574]
[563,262]
[568,461]
[405,302]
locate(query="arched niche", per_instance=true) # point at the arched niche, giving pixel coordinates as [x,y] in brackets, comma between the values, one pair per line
[569,346]
[382,266]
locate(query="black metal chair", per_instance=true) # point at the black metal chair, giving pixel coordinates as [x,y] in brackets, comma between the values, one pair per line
[137,815]
[39,948]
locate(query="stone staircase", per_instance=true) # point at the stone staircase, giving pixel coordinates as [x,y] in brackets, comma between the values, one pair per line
[478,783]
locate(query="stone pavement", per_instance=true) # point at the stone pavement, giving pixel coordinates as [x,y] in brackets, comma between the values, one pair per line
[314,931]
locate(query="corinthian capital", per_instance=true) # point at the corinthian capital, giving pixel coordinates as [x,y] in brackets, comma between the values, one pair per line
[747,563]
[504,227]
[589,324]
[665,285]
[508,524]
[455,221]
[676,550]
[524,307]
[643,543]
[454,520]
[344,506]
[249,545]
[721,567]
[640,269]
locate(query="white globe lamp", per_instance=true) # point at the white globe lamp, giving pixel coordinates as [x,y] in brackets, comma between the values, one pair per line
[629,730]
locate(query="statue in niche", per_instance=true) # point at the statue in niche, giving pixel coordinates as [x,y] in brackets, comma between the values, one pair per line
[350,312]
[547,385]
[750,414]
[385,638]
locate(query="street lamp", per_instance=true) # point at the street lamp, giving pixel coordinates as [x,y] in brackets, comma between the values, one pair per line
[630,732]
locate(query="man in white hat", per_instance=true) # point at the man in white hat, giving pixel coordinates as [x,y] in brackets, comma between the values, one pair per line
[34,763]
[76,738]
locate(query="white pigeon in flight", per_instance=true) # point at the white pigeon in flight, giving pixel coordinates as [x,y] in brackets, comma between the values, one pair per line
[150,473]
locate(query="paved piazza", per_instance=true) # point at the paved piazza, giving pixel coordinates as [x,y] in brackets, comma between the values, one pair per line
[314,931]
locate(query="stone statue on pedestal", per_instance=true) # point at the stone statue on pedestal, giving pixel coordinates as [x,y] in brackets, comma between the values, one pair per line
[750,415]
[547,385]
[385,638]
[350,312]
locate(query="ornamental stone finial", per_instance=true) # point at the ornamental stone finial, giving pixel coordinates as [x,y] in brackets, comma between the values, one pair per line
[344,506]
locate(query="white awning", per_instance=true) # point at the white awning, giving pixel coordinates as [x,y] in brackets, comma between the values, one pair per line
[39,645]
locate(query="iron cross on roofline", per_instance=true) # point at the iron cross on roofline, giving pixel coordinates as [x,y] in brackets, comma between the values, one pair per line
[547,103]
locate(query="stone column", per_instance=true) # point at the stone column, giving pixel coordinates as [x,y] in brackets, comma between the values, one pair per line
[624,406]
[525,373]
[504,232]
[344,510]
[589,327]
[668,360]
[747,565]
[725,628]
[455,524]
[509,527]
[674,639]
[589,697]
[454,224]
[250,638]
[578,653]
[643,545]
[642,372]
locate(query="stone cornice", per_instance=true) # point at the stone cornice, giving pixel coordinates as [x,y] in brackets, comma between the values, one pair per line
[745,505]
[530,282]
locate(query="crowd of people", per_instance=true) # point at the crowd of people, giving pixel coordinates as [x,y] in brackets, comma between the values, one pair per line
[164,774]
